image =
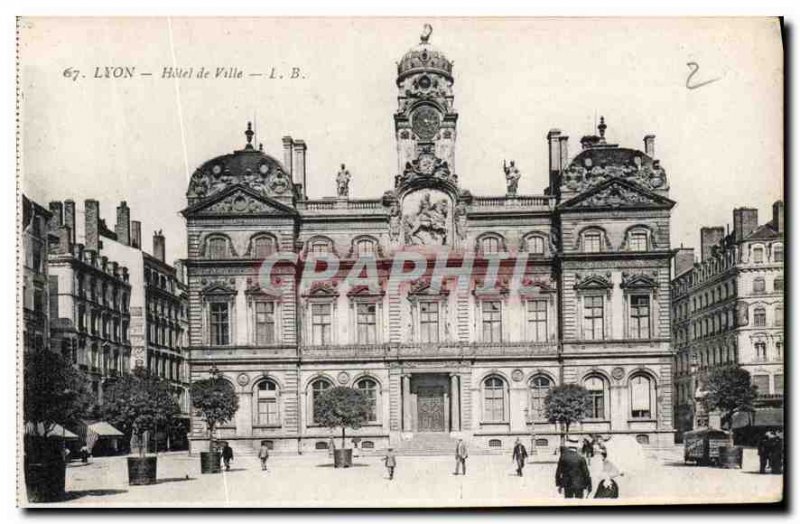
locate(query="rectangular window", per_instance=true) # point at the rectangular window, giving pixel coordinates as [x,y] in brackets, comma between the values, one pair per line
[220,330]
[640,316]
[366,323]
[638,242]
[593,318]
[779,384]
[591,242]
[492,321]
[758,255]
[761,350]
[321,323]
[429,321]
[265,323]
[267,412]
[537,320]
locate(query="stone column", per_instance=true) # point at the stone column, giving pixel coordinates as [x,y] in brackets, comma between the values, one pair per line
[455,403]
[406,402]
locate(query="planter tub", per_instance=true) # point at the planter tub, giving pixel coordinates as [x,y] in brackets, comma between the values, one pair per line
[142,470]
[210,462]
[342,458]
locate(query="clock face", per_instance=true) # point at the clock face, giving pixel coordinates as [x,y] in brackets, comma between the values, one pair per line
[425,122]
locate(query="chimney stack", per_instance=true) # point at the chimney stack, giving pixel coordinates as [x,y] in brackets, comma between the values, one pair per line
[684,260]
[69,218]
[92,224]
[57,220]
[650,145]
[299,163]
[136,234]
[710,237]
[745,221]
[777,216]
[123,225]
[287,155]
[64,243]
[555,155]
[563,142]
[159,245]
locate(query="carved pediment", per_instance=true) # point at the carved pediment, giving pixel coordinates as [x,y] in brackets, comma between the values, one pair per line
[639,280]
[422,287]
[616,193]
[501,287]
[239,200]
[366,291]
[272,290]
[218,286]
[322,290]
[593,281]
[536,286]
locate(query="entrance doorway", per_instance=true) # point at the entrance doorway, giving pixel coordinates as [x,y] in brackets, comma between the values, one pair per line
[430,408]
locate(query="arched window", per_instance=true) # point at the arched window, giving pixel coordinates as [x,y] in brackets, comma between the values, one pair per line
[369,387]
[597,396]
[262,246]
[777,253]
[490,244]
[217,247]
[759,285]
[642,393]
[267,406]
[319,245]
[638,239]
[540,387]
[760,316]
[364,247]
[534,244]
[758,255]
[494,391]
[592,241]
[317,388]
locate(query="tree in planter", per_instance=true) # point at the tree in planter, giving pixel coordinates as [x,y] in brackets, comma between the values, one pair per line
[139,403]
[730,391]
[215,400]
[566,405]
[342,407]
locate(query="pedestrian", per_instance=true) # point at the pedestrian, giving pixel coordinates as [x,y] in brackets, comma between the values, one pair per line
[391,461]
[572,474]
[776,454]
[519,455]
[263,455]
[461,456]
[607,488]
[227,456]
[764,449]
[587,448]
[84,454]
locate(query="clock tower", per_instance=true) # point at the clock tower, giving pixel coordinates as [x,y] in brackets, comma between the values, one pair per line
[425,122]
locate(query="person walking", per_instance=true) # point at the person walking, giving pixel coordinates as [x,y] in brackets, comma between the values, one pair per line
[391,461]
[764,450]
[572,474]
[607,488]
[227,456]
[776,454]
[84,454]
[519,455]
[461,456]
[263,455]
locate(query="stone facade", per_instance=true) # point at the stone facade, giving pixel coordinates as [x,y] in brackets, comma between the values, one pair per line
[728,308]
[35,283]
[571,286]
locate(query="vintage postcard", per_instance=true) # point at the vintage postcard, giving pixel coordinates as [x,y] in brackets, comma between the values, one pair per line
[400,262]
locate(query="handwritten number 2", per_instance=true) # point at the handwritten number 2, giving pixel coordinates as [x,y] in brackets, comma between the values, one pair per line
[695,67]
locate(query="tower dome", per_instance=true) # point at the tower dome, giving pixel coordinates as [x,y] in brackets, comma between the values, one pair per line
[424,58]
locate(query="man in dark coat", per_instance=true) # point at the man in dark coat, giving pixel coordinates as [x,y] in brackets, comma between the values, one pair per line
[776,454]
[227,456]
[764,450]
[572,474]
[519,455]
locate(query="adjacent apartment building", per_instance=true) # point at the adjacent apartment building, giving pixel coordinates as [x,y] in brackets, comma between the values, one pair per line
[729,308]
[568,286]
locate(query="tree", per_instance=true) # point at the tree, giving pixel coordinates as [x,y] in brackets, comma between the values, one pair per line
[138,403]
[730,391]
[215,400]
[566,405]
[54,392]
[342,407]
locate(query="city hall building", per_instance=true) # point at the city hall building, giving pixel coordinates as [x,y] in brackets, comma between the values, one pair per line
[570,286]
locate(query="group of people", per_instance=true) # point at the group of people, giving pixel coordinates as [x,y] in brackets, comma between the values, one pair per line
[227,456]
[770,452]
[574,480]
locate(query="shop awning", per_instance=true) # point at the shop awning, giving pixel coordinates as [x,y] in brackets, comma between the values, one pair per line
[104,429]
[56,432]
[762,417]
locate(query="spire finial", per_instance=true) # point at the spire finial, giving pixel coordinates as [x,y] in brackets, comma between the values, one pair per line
[602,127]
[249,134]
[426,33]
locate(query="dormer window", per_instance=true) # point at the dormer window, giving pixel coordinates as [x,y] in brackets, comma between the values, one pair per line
[592,241]
[320,246]
[637,241]
[262,246]
[777,253]
[491,243]
[534,245]
[364,247]
[217,247]
[758,255]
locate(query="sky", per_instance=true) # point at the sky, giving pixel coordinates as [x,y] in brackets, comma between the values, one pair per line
[139,139]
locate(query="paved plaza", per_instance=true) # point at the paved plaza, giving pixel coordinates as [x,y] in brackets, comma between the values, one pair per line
[294,481]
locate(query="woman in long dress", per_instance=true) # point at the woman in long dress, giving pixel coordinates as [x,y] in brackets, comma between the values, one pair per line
[607,488]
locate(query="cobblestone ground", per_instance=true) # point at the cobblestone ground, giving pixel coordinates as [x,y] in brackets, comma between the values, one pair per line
[419,481]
